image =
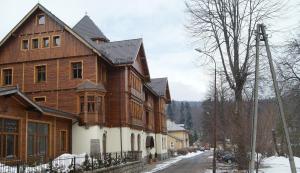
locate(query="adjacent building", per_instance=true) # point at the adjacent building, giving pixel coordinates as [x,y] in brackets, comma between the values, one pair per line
[73,90]
[178,136]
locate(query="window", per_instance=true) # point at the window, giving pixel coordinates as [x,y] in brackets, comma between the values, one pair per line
[41,19]
[63,141]
[172,145]
[37,137]
[77,70]
[35,43]
[139,142]
[81,103]
[9,138]
[132,142]
[40,99]
[40,75]
[7,75]
[104,143]
[25,44]
[56,41]
[45,43]
[91,104]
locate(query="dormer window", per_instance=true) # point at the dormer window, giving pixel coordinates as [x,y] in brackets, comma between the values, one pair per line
[41,19]
[98,40]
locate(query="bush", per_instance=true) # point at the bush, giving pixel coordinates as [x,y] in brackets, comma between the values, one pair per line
[182,151]
[192,150]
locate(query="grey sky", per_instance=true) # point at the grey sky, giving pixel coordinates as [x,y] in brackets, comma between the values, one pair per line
[160,23]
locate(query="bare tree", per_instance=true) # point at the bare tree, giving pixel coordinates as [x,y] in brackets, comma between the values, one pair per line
[225,29]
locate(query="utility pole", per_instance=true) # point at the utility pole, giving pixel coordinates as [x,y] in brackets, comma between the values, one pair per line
[286,132]
[261,32]
[254,121]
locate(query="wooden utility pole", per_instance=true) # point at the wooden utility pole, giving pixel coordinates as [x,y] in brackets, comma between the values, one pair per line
[254,121]
[261,28]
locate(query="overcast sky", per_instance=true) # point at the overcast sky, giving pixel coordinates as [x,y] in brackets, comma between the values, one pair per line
[169,48]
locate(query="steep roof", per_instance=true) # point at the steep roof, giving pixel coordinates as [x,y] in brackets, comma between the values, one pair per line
[56,19]
[172,126]
[87,28]
[121,52]
[159,85]
[8,91]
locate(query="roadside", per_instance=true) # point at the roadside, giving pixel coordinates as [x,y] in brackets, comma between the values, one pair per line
[187,163]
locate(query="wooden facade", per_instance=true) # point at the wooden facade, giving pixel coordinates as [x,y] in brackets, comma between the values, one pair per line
[56,68]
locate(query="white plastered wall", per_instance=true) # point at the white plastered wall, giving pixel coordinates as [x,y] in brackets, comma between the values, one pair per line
[81,137]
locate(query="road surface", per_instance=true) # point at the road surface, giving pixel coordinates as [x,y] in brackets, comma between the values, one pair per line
[197,164]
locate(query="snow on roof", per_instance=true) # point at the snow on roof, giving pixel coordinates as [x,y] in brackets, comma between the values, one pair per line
[172,126]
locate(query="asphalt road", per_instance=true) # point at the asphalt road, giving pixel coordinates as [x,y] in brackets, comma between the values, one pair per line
[197,164]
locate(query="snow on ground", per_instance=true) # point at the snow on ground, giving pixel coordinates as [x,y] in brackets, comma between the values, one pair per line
[170,162]
[63,161]
[272,164]
[278,165]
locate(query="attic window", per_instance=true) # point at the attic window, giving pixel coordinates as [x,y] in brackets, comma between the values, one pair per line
[56,41]
[41,19]
[25,44]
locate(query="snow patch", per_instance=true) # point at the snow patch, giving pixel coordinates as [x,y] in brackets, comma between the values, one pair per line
[170,162]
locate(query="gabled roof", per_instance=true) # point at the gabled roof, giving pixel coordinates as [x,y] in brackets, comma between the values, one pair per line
[52,16]
[87,28]
[161,87]
[115,53]
[9,91]
[89,85]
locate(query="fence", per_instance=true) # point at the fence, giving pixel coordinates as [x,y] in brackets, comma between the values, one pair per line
[69,163]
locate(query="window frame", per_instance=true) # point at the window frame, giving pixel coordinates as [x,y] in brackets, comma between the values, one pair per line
[2,76]
[38,17]
[22,44]
[38,97]
[37,137]
[65,149]
[93,102]
[3,138]
[36,73]
[42,42]
[53,42]
[71,70]
[35,38]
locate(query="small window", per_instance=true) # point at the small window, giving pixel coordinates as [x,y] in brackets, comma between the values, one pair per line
[63,141]
[25,44]
[45,42]
[41,19]
[77,70]
[40,73]
[91,104]
[39,99]
[56,41]
[7,76]
[35,43]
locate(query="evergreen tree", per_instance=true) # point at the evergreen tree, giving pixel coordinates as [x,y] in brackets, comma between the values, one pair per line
[170,111]
[188,116]
[182,113]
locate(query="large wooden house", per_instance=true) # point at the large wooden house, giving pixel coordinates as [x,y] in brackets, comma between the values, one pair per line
[73,90]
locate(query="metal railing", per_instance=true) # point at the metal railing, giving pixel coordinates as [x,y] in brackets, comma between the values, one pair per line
[76,164]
